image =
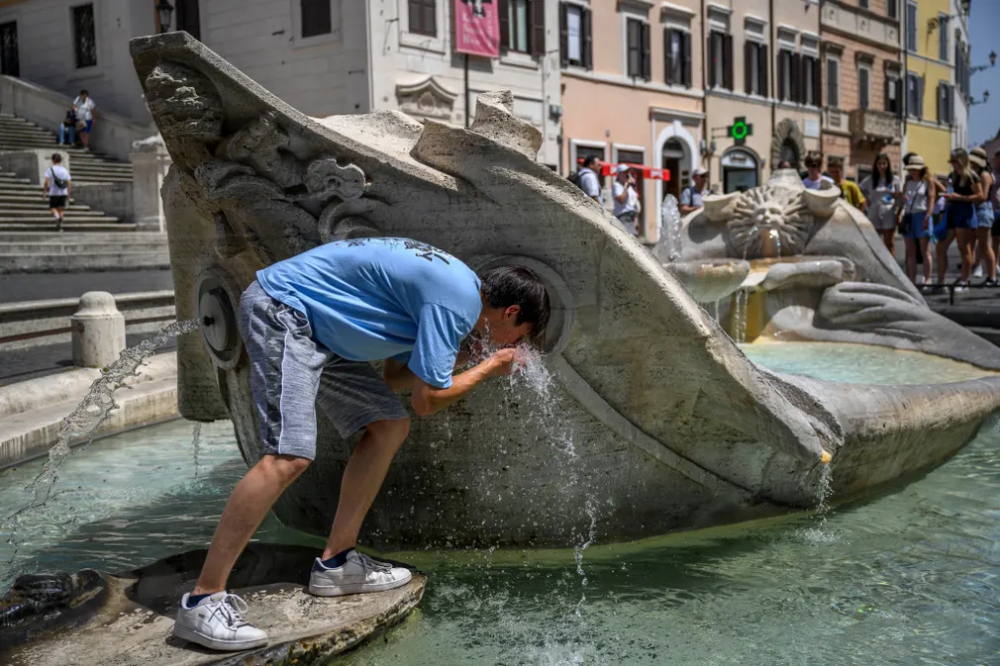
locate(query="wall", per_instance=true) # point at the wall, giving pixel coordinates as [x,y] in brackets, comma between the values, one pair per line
[960,128]
[926,134]
[422,76]
[47,57]
[933,144]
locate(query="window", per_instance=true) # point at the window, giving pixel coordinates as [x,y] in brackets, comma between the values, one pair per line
[788,75]
[188,18]
[637,35]
[863,4]
[911,26]
[945,103]
[755,62]
[522,26]
[84,40]
[914,95]
[833,82]
[10,60]
[892,9]
[575,43]
[423,17]
[811,90]
[677,55]
[864,87]
[893,94]
[316,19]
[720,70]
[943,37]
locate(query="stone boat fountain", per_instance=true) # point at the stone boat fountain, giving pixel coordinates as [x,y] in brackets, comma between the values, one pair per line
[655,420]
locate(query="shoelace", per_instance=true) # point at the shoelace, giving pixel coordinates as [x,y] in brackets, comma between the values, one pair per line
[233,610]
[375,565]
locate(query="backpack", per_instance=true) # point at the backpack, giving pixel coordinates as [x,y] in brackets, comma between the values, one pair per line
[577,178]
[60,183]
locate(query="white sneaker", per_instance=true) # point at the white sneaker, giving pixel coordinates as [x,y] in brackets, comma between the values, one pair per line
[978,271]
[920,280]
[360,574]
[218,623]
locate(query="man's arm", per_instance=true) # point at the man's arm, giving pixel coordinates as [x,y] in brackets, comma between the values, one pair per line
[427,399]
[45,186]
[397,375]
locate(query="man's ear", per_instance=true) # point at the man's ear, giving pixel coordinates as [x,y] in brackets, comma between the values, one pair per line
[512,312]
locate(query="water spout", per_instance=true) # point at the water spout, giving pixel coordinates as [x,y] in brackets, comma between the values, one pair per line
[670,230]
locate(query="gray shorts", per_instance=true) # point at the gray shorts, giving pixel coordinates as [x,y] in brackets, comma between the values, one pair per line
[291,373]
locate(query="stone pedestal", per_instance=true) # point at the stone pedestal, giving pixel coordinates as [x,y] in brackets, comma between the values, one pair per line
[150,161]
[98,330]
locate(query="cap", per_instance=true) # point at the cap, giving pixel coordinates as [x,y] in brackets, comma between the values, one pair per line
[916,162]
[700,172]
[621,168]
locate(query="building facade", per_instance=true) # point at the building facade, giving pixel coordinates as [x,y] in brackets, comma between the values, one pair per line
[960,81]
[863,113]
[933,48]
[632,90]
[324,57]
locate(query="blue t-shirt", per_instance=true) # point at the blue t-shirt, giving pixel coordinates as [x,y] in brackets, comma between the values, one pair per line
[375,298]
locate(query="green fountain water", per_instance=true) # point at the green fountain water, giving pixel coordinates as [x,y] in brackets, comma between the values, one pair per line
[906,577]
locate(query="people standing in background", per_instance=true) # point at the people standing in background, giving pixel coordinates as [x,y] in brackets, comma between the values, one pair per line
[986,260]
[919,194]
[626,198]
[882,189]
[590,183]
[849,190]
[814,167]
[85,113]
[965,191]
[67,130]
[57,188]
[691,197]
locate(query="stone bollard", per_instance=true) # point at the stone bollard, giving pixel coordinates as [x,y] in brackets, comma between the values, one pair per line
[98,331]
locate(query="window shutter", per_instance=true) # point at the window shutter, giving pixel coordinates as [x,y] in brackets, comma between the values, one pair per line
[713,54]
[587,52]
[727,62]
[899,97]
[795,94]
[668,61]
[563,35]
[888,101]
[763,63]
[747,67]
[686,59]
[647,65]
[537,27]
[920,97]
[817,82]
[782,65]
[504,16]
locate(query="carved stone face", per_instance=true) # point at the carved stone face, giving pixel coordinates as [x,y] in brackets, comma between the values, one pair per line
[769,222]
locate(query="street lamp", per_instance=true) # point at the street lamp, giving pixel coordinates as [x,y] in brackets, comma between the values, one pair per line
[986,97]
[979,68]
[165,11]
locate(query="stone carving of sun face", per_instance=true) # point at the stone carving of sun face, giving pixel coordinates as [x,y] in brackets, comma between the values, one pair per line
[769,222]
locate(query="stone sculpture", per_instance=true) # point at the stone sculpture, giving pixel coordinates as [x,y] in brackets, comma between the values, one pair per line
[655,421]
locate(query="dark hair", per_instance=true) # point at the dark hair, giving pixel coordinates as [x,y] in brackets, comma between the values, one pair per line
[814,159]
[588,160]
[85,92]
[876,176]
[504,286]
[56,158]
[906,158]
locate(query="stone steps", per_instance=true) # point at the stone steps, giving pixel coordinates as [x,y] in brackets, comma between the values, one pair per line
[69,225]
[82,245]
[69,263]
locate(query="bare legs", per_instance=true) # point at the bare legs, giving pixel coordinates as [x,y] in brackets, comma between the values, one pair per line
[942,255]
[985,253]
[912,245]
[363,477]
[889,238]
[257,492]
[966,237]
[925,251]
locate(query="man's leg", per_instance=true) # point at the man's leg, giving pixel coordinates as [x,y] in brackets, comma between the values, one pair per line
[252,498]
[363,476]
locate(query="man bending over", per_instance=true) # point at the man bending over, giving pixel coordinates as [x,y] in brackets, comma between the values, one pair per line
[311,325]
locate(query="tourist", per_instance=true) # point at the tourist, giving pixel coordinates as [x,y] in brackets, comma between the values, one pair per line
[57,187]
[784,164]
[848,189]
[882,190]
[626,199]
[814,177]
[311,324]
[964,192]
[85,113]
[67,130]
[588,179]
[994,197]
[985,257]
[919,194]
[691,197]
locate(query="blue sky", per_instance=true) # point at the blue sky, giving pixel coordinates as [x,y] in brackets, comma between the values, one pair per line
[984,119]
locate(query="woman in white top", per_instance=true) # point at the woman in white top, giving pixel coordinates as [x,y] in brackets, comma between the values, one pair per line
[919,195]
[84,107]
[882,189]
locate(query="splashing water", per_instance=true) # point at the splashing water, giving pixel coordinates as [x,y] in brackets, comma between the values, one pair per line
[776,237]
[671,238]
[92,412]
[740,316]
[196,445]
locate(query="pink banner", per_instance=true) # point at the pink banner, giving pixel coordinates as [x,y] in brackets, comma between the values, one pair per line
[477,28]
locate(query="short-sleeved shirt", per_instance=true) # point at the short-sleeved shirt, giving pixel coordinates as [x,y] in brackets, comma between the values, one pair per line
[852,193]
[630,199]
[84,108]
[816,184]
[881,200]
[963,186]
[376,298]
[691,197]
[53,172]
[590,183]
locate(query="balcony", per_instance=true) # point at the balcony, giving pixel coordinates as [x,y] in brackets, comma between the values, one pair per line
[873,126]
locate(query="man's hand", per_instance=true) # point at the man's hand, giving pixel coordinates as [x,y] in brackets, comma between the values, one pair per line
[504,362]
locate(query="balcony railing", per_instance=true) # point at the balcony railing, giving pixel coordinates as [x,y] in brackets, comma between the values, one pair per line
[874,126]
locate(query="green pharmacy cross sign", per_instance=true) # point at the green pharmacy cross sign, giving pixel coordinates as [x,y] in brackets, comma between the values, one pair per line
[740,130]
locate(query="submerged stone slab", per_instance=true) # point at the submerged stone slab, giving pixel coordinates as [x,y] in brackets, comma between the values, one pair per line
[127,619]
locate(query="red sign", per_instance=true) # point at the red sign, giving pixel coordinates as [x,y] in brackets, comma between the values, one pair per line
[477,27]
[608,169]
